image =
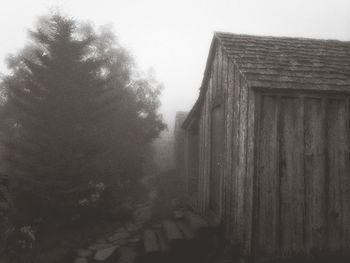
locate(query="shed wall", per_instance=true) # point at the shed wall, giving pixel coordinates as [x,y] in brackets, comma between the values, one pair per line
[227,89]
[285,181]
[302,186]
[191,157]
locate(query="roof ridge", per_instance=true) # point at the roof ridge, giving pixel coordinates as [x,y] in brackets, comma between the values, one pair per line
[218,34]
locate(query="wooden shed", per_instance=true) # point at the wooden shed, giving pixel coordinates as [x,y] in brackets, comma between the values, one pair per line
[267,144]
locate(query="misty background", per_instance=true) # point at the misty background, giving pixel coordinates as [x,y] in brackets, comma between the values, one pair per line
[172,38]
[88,170]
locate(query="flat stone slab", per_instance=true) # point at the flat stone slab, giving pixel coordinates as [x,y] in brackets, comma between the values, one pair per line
[134,239]
[84,253]
[120,234]
[178,214]
[101,241]
[131,227]
[103,254]
[100,246]
[150,241]
[127,255]
[171,230]
[80,260]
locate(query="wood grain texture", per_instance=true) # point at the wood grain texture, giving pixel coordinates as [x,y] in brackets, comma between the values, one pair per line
[207,145]
[267,190]
[250,169]
[315,175]
[235,155]
[227,148]
[217,139]
[229,172]
[201,163]
[217,160]
[338,191]
[291,176]
[242,157]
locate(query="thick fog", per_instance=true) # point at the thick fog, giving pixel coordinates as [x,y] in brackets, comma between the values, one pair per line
[173,37]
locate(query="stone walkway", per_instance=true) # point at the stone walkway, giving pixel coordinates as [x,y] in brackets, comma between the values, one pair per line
[106,246]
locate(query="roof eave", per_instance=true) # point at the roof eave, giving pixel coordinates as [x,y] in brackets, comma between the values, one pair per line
[194,112]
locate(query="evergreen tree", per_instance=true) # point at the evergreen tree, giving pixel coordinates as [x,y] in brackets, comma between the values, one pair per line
[79,115]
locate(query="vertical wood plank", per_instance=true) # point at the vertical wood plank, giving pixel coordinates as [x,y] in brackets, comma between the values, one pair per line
[346,181]
[250,160]
[201,163]
[219,69]
[191,160]
[338,191]
[292,176]
[230,149]
[217,160]
[208,105]
[205,171]
[235,160]
[242,161]
[214,73]
[227,148]
[315,175]
[204,132]
[267,241]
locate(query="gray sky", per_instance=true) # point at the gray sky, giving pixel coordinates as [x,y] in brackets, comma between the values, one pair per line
[173,37]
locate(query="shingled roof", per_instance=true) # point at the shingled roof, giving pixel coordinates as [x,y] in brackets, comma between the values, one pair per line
[283,63]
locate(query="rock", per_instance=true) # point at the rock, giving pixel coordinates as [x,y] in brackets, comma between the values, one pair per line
[80,260]
[131,227]
[98,246]
[103,254]
[134,239]
[178,214]
[84,253]
[101,241]
[120,234]
[157,226]
[127,255]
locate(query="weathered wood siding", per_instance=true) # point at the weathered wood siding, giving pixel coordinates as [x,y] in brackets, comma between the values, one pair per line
[284,177]
[228,91]
[302,186]
[192,163]
[217,161]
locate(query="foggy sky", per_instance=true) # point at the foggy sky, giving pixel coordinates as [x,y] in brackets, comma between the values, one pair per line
[173,37]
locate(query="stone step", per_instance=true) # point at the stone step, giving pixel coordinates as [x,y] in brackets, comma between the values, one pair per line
[186,229]
[172,231]
[197,223]
[150,241]
[155,246]
[106,253]
[178,214]
[183,239]
[119,235]
[163,244]
[127,254]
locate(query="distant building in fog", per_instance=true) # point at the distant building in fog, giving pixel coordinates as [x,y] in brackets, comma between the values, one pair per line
[179,135]
[164,151]
[168,148]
